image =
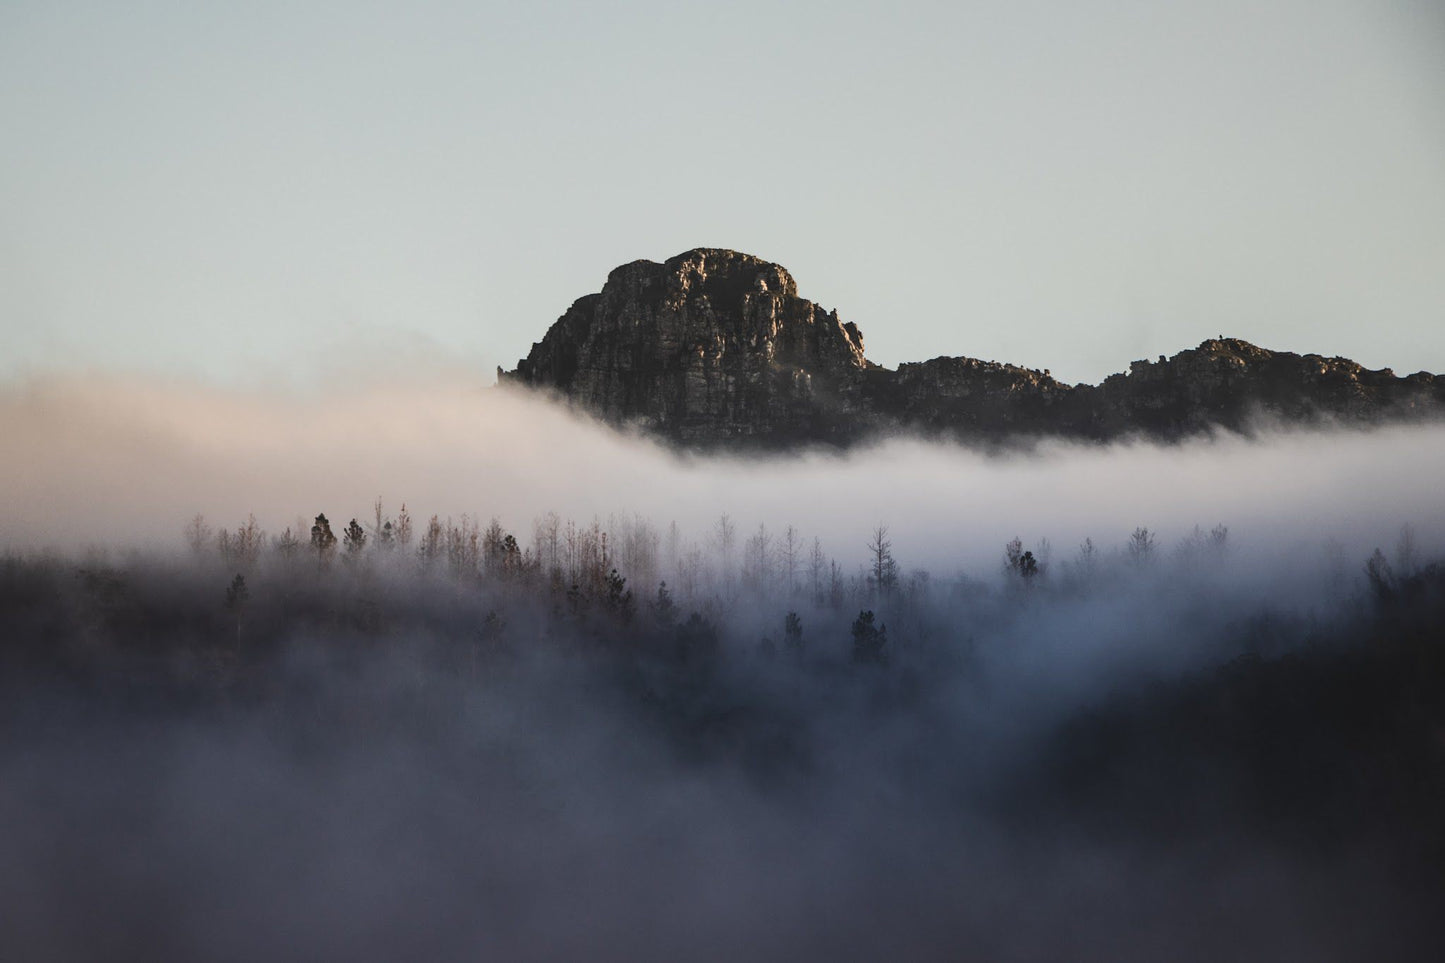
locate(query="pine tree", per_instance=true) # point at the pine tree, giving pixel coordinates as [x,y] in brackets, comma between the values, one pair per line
[323,542]
[869,640]
[664,610]
[1381,576]
[355,539]
[619,597]
[237,595]
[510,553]
[1021,563]
[1028,566]
[793,635]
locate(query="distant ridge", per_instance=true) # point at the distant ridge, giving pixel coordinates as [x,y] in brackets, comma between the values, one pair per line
[715,349]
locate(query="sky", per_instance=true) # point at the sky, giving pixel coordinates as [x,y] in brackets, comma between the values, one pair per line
[254,193]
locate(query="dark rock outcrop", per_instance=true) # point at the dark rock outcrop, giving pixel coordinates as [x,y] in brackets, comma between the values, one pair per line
[709,347]
[714,348]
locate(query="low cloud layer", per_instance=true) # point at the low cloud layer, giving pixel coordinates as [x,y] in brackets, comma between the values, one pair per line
[102,460]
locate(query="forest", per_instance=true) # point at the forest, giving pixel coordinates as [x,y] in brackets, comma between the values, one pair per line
[439,737]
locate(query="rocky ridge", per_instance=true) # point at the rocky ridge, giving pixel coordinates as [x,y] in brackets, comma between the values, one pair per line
[714,348]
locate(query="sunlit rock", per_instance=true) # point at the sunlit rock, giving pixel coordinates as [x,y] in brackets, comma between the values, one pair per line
[714,348]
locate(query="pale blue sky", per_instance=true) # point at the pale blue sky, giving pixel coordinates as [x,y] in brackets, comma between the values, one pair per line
[255,190]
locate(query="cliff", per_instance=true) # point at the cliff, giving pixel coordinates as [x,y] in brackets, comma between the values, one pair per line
[714,348]
[707,347]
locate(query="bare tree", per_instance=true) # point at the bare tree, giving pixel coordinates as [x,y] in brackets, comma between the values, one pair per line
[430,547]
[1200,546]
[493,548]
[226,547]
[1012,552]
[1407,552]
[379,520]
[636,543]
[242,549]
[817,563]
[883,574]
[672,552]
[758,560]
[286,544]
[383,530]
[403,528]
[465,549]
[1086,562]
[591,559]
[725,534]
[571,551]
[1219,538]
[1140,547]
[690,568]
[198,534]
[788,548]
[546,531]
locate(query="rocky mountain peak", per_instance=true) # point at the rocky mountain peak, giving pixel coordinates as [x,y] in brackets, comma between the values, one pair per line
[719,273]
[711,344]
[714,348]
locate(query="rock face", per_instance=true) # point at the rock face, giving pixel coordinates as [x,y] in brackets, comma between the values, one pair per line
[708,347]
[714,348]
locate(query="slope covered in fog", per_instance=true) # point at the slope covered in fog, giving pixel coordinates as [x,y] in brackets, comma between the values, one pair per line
[395,750]
[561,692]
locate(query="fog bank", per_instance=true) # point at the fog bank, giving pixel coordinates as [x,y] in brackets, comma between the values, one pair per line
[1219,745]
[107,460]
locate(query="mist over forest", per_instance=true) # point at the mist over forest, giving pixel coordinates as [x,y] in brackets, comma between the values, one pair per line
[404,668]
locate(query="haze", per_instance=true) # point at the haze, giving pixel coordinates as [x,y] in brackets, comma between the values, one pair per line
[118,462]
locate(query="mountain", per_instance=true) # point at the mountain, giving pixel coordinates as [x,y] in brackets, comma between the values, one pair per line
[714,348]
